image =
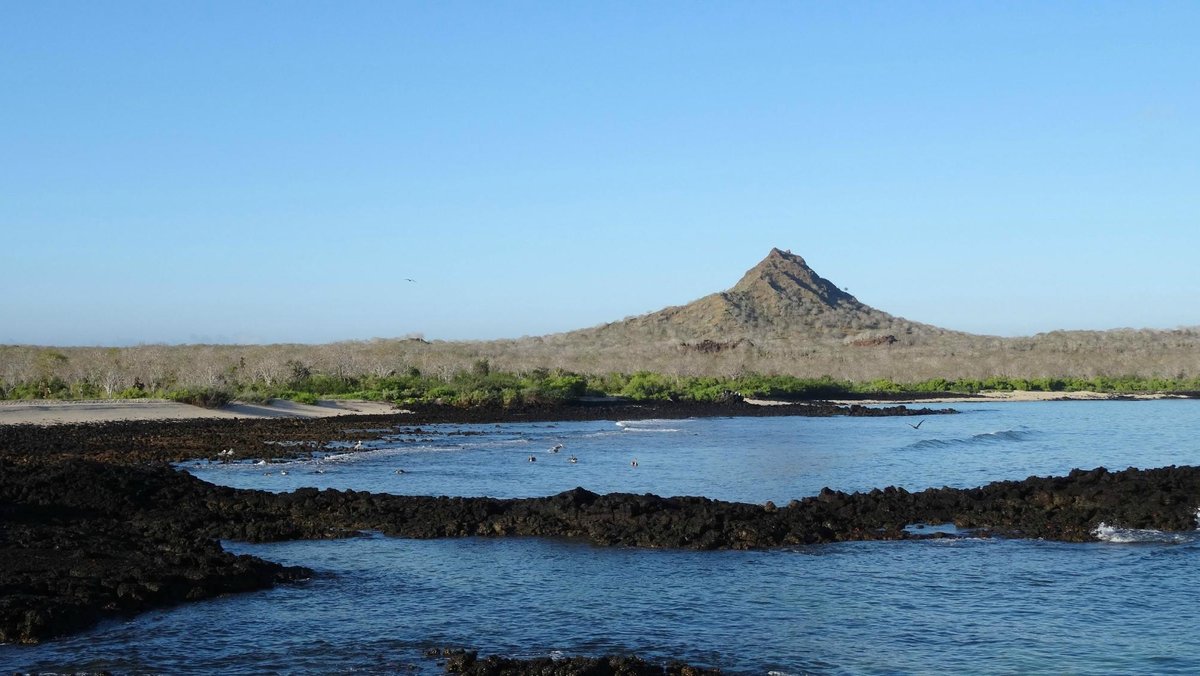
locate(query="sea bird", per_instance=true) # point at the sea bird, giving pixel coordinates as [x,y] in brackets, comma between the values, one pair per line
[633,463]
[917,426]
[533,458]
[573,460]
[358,446]
[556,449]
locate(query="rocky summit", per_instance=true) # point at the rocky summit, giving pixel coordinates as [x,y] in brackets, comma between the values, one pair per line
[780,298]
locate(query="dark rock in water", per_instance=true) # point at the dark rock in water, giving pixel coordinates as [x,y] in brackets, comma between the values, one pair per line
[95,524]
[84,540]
[69,562]
[468,662]
[178,440]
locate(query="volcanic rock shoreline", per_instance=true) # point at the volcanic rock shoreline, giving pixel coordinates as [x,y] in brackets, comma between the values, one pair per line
[92,533]
[129,441]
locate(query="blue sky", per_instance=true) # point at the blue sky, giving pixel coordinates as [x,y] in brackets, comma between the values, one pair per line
[271,171]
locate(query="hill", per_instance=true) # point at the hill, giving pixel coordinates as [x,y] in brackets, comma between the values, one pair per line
[781,317]
[780,299]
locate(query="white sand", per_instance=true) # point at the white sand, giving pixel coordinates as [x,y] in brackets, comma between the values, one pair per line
[1018,396]
[48,412]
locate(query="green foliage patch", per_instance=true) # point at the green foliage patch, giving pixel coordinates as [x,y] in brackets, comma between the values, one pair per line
[210,397]
[480,384]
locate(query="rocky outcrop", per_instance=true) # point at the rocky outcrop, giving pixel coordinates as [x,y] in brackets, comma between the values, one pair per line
[469,663]
[714,346]
[85,540]
[67,565]
[779,299]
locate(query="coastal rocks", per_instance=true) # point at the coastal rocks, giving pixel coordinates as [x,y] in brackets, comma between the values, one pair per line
[84,540]
[76,550]
[223,440]
[469,663]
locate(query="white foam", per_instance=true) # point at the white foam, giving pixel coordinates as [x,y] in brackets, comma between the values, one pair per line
[651,422]
[651,429]
[1107,533]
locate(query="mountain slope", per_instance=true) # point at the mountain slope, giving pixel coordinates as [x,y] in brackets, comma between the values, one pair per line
[780,299]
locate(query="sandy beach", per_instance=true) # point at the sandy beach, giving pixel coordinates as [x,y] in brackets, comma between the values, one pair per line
[49,412]
[1017,396]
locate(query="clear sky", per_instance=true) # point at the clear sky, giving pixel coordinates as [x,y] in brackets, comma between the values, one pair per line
[274,171]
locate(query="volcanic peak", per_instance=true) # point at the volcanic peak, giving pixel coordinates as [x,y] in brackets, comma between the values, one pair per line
[784,274]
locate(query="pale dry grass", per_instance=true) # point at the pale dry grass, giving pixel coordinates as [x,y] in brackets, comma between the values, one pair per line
[1086,354]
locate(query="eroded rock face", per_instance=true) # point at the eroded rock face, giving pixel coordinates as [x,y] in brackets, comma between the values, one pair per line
[84,539]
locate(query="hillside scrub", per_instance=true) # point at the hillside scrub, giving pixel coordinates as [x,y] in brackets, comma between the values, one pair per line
[781,319]
[212,376]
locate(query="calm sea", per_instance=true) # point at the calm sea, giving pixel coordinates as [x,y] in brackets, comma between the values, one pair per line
[1127,605]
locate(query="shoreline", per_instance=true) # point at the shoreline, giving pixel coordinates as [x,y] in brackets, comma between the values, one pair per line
[130,538]
[1021,396]
[56,412]
[177,440]
[91,507]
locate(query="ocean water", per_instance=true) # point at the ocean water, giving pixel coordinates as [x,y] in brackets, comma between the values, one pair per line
[751,459]
[1129,604]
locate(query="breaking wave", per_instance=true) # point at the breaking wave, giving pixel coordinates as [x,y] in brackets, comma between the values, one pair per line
[1003,436]
[648,425]
[1107,533]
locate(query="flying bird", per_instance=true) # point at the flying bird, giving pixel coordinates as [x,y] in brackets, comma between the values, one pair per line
[410,279]
[917,426]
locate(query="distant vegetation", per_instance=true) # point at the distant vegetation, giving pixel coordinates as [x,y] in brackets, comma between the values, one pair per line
[212,376]
[781,331]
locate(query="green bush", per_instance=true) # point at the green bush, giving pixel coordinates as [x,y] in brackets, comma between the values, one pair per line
[644,385]
[209,397]
[305,398]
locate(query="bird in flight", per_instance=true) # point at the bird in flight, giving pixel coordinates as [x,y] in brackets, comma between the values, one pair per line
[917,426]
[409,279]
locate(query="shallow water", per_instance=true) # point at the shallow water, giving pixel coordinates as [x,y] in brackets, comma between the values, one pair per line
[959,606]
[752,459]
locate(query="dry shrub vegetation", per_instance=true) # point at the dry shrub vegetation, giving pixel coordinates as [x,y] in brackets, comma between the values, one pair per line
[781,319]
[155,370]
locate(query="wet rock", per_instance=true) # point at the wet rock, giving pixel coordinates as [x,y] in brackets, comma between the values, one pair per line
[179,440]
[468,662]
[84,539]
